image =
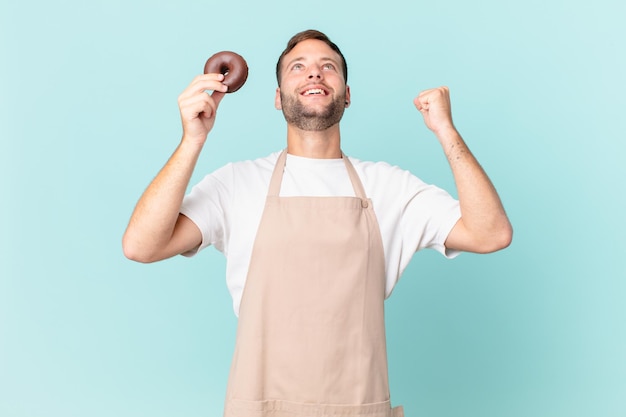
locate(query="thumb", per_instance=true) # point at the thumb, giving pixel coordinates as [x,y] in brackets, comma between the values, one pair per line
[421,104]
[217,97]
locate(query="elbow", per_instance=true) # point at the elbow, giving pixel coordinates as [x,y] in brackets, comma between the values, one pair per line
[480,238]
[495,239]
[499,239]
[133,251]
[135,256]
[505,238]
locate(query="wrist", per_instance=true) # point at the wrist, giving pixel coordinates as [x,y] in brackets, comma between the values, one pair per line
[191,144]
[447,134]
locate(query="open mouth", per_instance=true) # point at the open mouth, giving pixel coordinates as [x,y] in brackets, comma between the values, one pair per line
[314,92]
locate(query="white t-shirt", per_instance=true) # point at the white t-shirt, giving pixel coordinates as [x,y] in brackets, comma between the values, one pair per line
[227,206]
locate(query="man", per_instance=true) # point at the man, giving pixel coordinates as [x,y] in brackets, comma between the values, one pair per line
[314,240]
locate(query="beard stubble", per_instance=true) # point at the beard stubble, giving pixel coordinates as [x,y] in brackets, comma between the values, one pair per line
[308,119]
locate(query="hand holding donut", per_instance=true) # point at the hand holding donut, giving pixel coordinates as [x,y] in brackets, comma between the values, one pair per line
[198,107]
[434,104]
[224,72]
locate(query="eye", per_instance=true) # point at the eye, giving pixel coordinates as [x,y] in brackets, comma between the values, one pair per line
[328,66]
[297,67]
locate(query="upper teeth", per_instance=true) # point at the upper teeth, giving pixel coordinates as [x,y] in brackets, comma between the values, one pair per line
[314,91]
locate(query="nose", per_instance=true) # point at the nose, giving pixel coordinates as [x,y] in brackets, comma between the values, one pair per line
[315,72]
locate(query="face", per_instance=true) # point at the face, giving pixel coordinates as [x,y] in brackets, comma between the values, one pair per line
[313,93]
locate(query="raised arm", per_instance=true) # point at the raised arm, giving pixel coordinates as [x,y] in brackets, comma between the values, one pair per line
[156,229]
[484,226]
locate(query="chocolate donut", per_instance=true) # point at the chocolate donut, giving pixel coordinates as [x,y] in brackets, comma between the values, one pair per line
[232,65]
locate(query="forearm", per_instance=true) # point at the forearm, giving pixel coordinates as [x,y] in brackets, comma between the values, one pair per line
[484,226]
[156,229]
[483,214]
[154,218]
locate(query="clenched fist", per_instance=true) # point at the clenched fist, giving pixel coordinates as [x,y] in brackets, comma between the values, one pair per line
[434,104]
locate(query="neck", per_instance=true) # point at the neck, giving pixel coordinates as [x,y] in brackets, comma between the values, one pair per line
[325,144]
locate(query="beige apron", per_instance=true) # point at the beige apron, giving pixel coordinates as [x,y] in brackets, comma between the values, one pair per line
[311,332]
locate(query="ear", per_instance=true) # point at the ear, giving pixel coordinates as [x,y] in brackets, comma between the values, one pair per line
[277,103]
[348,96]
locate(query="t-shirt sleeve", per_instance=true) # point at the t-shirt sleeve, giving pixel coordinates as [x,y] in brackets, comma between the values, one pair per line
[412,215]
[427,219]
[207,205]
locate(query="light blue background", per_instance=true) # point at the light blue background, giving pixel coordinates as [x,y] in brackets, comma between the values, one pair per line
[88,115]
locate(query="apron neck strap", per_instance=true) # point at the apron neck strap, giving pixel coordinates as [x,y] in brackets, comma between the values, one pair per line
[359,191]
[277,175]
